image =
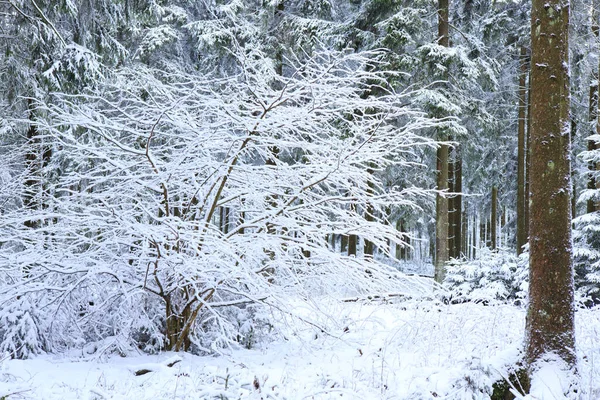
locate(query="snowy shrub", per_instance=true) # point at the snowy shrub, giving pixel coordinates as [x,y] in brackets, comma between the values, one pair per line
[20,335]
[586,242]
[493,276]
[183,200]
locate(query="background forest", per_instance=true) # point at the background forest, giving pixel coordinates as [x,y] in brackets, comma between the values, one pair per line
[210,175]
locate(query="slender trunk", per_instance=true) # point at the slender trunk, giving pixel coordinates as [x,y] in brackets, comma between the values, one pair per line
[573,187]
[441,229]
[474,235]
[352,239]
[369,247]
[494,219]
[521,196]
[455,204]
[528,160]
[464,230]
[451,202]
[593,205]
[458,212]
[399,247]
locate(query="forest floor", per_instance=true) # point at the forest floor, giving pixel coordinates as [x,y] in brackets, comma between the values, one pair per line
[407,350]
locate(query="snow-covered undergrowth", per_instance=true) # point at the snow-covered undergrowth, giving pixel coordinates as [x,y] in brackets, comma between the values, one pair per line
[493,276]
[407,350]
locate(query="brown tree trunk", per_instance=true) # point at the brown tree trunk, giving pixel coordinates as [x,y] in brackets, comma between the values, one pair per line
[573,187]
[399,247]
[455,232]
[592,205]
[593,118]
[521,149]
[441,220]
[474,251]
[464,234]
[458,216]
[451,203]
[352,239]
[528,159]
[550,317]
[369,247]
[494,219]
[441,228]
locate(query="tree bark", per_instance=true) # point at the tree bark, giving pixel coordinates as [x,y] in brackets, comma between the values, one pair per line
[592,205]
[441,226]
[521,150]
[593,119]
[369,247]
[352,239]
[457,204]
[494,219]
[528,159]
[550,317]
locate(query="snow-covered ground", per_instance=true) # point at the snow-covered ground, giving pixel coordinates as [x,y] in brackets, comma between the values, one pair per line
[408,350]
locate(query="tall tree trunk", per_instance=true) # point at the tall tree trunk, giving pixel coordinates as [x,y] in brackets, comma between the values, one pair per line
[352,239]
[369,247]
[37,157]
[344,244]
[451,202]
[528,159]
[399,247]
[441,228]
[455,204]
[458,213]
[441,220]
[550,317]
[494,219]
[521,150]
[464,233]
[573,187]
[593,205]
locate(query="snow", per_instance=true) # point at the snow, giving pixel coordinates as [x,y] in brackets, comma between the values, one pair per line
[550,380]
[404,350]
[407,350]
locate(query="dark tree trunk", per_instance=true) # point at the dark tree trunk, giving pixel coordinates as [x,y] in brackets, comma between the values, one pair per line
[464,234]
[593,205]
[550,317]
[369,247]
[573,187]
[37,157]
[494,219]
[352,239]
[456,216]
[451,203]
[441,228]
[402,250]
[344,244]
[593,118]
[528,159]
[521,150]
